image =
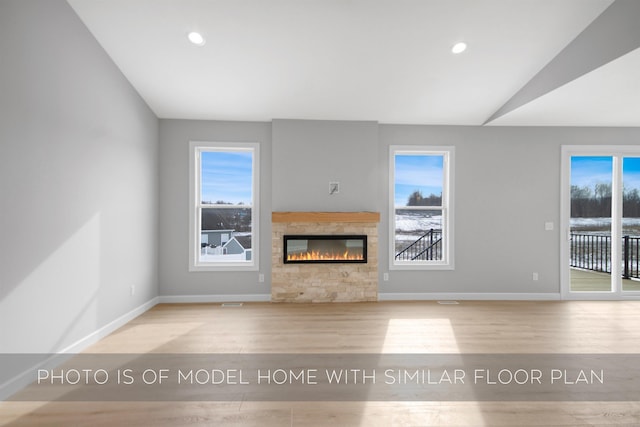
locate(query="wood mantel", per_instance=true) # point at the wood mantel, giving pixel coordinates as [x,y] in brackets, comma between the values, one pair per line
[287,217]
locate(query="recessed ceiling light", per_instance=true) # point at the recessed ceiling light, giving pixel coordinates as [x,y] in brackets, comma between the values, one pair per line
[459,47]
[196,38]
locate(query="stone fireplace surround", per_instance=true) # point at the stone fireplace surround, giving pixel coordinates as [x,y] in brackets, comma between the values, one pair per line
[317,283]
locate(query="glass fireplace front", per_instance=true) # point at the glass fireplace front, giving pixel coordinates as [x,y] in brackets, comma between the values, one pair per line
[310,249]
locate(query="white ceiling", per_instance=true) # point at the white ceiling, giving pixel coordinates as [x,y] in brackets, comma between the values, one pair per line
[379,60]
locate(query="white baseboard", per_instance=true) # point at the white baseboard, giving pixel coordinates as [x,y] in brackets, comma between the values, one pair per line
[426,296]
[25,378]
[96,336]
[423,296]
[173,299]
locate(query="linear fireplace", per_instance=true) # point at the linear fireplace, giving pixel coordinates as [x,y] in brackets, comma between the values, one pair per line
[318,249]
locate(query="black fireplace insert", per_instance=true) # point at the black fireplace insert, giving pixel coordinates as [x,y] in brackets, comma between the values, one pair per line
[325,249]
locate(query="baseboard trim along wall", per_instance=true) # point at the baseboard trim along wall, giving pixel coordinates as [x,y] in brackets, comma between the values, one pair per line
[25,378]
[110,327]
[173,299]
[426,296]
[404,296]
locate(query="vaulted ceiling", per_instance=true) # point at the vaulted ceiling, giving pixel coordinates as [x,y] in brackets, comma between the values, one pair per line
[528,62]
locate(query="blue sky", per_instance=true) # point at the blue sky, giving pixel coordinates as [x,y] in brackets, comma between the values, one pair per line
[417,172]
[227,176]
[589,171]
[631,173]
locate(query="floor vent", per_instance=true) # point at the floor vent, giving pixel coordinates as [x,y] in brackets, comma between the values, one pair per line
[448,302]
[231,304]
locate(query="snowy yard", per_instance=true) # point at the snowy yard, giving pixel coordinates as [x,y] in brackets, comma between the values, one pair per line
[631,226]
[411,225]
[221,258]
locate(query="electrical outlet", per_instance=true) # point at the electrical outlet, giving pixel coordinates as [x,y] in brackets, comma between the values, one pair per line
[534,277]
[133,290]
[385,277]
[261,278]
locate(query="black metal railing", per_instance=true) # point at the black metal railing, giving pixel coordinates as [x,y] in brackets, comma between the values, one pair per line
[593,252]
[631,257]
[427,248]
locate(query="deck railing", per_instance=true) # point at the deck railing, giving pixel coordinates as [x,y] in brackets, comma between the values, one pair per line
[593,252]
[427,248]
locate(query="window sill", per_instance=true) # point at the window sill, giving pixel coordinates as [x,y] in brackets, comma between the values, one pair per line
[223,267]
[421,266]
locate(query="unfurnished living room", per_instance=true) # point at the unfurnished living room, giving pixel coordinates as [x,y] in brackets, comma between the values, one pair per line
[319,212]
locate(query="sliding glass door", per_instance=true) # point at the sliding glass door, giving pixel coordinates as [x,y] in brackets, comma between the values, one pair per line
[601,216]
[630,224]
[590,223]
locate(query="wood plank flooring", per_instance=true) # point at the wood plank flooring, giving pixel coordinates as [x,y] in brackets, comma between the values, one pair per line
[384,327]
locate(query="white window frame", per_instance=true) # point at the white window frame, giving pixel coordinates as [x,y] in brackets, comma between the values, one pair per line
[447,261]
[195,206]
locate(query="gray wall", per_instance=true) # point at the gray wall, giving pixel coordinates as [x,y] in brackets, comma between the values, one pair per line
[507,185]
[175,279]
[78,177]
[308,155]
[294,175]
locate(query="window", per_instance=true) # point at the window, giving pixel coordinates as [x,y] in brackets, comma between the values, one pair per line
[421,207]
[224,211]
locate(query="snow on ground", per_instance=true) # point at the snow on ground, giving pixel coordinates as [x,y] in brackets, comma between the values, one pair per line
[602,221]
[411,226]
[603,225]
[417,222]
[407,223]
[221,258]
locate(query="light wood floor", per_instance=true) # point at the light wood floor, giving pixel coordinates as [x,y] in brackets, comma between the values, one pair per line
[387,327]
